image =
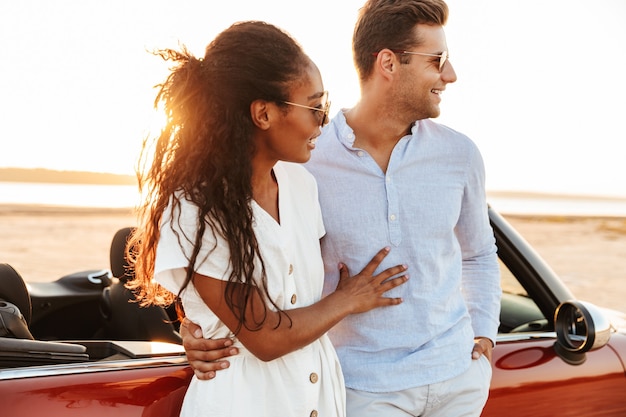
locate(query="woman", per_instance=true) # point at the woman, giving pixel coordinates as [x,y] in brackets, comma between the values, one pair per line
[231,225]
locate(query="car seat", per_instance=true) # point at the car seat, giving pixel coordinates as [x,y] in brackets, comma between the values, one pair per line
[15,304]
[123,317]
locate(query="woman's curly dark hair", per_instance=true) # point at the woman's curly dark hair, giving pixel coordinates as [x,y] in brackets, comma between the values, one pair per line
[204,152]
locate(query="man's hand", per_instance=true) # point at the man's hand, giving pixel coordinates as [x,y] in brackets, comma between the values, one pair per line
[482,346]
[205,355]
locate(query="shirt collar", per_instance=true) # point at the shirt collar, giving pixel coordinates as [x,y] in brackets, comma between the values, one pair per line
[346,134]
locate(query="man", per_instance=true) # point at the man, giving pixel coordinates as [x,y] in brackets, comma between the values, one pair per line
[388,175]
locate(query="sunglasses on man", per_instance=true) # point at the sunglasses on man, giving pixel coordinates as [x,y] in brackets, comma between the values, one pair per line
[443,57]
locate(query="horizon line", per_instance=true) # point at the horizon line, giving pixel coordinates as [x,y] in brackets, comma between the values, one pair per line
[54,176]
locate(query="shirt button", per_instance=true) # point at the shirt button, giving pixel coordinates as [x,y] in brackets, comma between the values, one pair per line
[392,217]
[293,299]
[360,153]
[290,269]
[313,377]
[314,413]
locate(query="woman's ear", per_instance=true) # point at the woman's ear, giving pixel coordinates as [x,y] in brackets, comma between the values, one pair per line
[260,113]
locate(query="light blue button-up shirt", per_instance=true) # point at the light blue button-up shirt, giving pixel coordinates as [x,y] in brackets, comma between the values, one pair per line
[430,208]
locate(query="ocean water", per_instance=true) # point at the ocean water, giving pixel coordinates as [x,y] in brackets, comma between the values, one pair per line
[69,195]
[120,196]
[560,206]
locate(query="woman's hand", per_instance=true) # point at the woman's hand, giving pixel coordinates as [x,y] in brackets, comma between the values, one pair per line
[364,291]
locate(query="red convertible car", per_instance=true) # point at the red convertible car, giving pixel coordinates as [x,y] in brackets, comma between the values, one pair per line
[78,347]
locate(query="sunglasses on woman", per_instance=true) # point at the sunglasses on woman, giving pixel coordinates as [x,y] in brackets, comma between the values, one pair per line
[322,112]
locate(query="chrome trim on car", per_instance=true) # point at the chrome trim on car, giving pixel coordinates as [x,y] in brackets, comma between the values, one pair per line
[517,337]
[91,367]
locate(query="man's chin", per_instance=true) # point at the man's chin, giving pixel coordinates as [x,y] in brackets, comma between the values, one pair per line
[436,111]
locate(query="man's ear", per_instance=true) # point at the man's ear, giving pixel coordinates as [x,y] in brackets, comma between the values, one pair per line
[260,113]
[385,62]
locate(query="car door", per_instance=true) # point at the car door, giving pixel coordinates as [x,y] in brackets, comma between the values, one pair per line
[531,379]
[137,387]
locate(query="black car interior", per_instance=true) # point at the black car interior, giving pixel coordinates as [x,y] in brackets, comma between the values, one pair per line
[123,318]
[87,315]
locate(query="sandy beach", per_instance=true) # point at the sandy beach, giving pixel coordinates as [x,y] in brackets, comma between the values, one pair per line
[44,243]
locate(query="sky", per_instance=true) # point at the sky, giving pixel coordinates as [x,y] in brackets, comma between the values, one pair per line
[541,83]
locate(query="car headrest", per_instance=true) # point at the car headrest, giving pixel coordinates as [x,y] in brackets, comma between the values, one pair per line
[119,263]
[13,290]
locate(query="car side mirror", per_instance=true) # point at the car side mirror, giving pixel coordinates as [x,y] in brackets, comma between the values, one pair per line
[580,327]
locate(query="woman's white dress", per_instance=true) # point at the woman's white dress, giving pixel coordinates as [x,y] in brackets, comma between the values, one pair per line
[302,383]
